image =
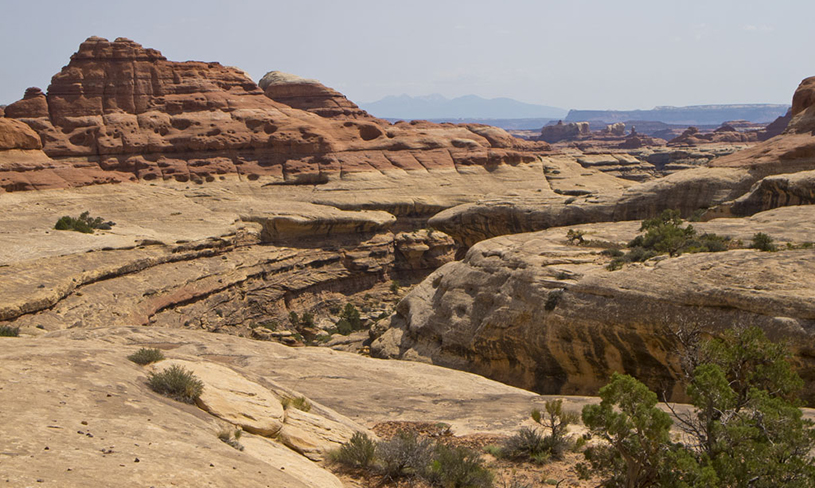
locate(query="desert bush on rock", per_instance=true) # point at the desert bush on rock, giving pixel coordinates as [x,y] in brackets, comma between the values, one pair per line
[349,321]
[763,242]
[84,223]
[300,403]
[177,383]
[665,234]
[146,356]
[358,452]
[9,331]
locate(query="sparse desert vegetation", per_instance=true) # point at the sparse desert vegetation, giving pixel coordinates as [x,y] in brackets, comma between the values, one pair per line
[146,355]
[430,303]
[9,331]
[177,383]
[84,223]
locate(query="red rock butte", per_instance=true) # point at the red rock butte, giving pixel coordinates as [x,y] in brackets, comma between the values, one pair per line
[120,112]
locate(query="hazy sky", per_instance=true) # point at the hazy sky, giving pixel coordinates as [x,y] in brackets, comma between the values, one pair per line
[600,54]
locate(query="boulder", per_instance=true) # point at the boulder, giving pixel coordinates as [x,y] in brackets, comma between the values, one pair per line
[309,95]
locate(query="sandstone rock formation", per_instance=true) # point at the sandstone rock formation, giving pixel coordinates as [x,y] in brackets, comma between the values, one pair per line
[124,110]
[532,310]
[88,418]
[616,129]
[776,127]
[561,131]
[724,134]
[724,180]
[218,260]
[310,95]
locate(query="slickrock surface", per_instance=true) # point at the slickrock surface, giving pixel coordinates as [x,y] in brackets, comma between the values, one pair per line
[533,311]
[215,258]
[81,414]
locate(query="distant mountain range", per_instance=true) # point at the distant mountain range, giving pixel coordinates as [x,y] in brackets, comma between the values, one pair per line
[691,115]
[512,114]
[439,107]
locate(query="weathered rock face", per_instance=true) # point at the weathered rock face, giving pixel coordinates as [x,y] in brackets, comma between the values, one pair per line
[533,311]
[776,127]
[309,95]
[203,259]
[772,192]
[803,108]
[125,110]
[616,129]
[717,186]
[562,132]
[724,134]
[16,135]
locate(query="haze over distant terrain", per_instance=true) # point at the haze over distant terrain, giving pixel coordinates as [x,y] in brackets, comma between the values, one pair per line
[631,54]
[469,106]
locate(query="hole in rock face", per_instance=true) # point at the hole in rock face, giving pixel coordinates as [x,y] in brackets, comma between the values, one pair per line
[180,124]
[369,132]
[81,139]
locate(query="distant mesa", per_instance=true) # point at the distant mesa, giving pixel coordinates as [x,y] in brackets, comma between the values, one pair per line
[611,136]
[691,115]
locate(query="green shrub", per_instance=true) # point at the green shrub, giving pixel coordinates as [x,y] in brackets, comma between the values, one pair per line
[395,286]
[763,242]
[358,452]
[664,234]
[344,327]
[84,223]
[176,383]
[612,252]
[294,318]
[404,454]
[526,445]
[458,468]
[146,356]
[9,331]
[351,314]
[300,403]
[745,427]
[307,320]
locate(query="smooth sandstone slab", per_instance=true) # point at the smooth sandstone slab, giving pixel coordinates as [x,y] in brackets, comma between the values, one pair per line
[233,398]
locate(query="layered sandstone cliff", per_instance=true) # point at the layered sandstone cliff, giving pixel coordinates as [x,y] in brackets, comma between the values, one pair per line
[125,110]
[535,311]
